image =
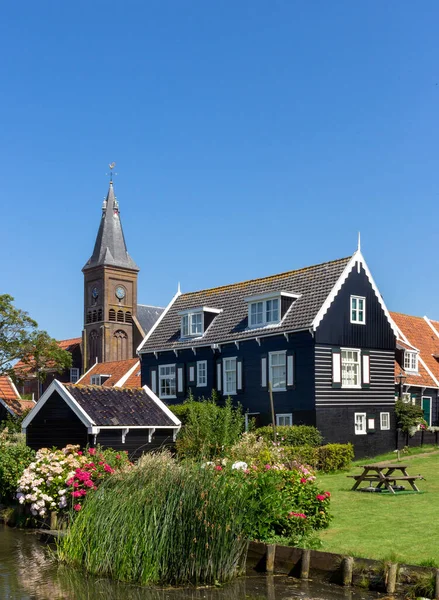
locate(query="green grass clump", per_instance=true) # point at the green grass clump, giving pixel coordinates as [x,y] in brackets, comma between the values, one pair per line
[161,523]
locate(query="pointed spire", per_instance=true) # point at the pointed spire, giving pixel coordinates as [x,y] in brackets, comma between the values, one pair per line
[110,247]
[359,242]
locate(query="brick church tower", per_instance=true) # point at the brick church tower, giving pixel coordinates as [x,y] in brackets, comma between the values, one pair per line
[111,329]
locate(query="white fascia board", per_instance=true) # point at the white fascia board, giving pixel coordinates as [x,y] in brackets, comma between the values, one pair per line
[14,387]
[162,406]
[357,257]
[268,295]
[157,323]
[102,427]
[127,375]
[432,327]
[66,396]
[198,309]
[10,411]
[86,373]
[428,371]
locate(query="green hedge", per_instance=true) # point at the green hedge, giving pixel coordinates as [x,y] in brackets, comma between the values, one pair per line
[332,457]
[296,435]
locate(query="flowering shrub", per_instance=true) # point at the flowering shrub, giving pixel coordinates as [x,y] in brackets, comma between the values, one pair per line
[58,479]
[283,501]
[14,457]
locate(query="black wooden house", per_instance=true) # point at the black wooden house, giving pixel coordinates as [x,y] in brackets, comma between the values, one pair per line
[321,336]
[131,419]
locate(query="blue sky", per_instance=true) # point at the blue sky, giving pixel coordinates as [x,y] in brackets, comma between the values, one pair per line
[250,138]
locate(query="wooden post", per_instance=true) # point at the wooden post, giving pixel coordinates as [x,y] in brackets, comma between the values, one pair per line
[273,420]
[436,587]
[53,520]
[304,566]
[269,560]
[392,571]
[271,591]
[348,568]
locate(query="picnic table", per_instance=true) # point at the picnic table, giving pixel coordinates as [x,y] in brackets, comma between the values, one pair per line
[385,475]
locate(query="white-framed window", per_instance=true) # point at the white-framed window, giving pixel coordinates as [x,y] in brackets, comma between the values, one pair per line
[277,370]
[410,361]
[167,386]
[360,423]
[229,376]
[264,312]
[358,310]
[99,379]
[248,416]
[385,420]
[285,419]
[350,368]
[74,375]
[192,324]
[202,373]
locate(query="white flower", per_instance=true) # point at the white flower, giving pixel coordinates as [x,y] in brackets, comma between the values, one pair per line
[207,464]
[240,465]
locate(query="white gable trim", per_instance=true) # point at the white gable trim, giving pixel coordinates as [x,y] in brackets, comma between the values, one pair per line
[159,320]
[127,375]
[357,259]
[7,408]
[435,331]
[400,335]
[428,371]
[162,406]
[86,373]
[57,386]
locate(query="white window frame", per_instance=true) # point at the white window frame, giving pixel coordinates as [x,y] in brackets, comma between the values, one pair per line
[363,429]
[284,416]
[247,417]
[97,379]
[384,421]
[163,377]
[200,381]
[355,311]
[74,374]
[232,390]
[265,321]
[189,319]
[411,364]
[270,370]
[354,386]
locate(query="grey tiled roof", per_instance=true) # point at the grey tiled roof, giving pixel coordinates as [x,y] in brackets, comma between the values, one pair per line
[110,248]
[312,283]
[119,406]
[148,315]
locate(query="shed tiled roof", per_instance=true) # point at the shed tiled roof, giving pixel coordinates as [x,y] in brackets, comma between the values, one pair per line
[148,315]
[134,380]
[313,284]
[419,334]
[116,369]
[11,398]
[119,406]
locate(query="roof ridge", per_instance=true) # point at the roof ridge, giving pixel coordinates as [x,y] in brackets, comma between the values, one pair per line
[394,312]
[284,273]
[150,305]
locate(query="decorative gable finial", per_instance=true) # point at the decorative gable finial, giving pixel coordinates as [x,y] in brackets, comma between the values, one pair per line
[178,288]
[111,165]
[359,242]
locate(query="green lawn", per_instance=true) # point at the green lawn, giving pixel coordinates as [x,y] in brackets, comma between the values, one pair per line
[404,528]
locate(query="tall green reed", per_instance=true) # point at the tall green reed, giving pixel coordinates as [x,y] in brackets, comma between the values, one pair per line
[161,522]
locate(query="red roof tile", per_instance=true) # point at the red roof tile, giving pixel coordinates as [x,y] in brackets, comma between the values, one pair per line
[10,397]
[419,334]
[116,369]
[22,368]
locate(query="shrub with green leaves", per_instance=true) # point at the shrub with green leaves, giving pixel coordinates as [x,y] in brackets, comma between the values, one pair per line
[14,458]
[408,416]
[335,457]
[208,429]
[292,435]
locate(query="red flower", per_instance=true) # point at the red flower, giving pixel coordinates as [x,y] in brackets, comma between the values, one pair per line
[89,483]
[77,494]
[80,453]
[303,480]
[108,469]
[101,462]
[328,494]
[77,507]
[118,456]
[92,451]
[320,497]
[218,468]
[70,481]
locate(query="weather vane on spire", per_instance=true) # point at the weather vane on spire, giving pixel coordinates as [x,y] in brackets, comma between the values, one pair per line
[111,165]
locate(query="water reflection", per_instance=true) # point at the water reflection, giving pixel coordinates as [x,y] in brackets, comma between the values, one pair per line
[27,572]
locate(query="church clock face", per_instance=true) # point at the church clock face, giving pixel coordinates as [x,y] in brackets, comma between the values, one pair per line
[120,292]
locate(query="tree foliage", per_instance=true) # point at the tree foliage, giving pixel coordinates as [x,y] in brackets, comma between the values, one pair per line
[20,339]
[408,416]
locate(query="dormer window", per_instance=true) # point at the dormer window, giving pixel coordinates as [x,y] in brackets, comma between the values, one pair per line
[195,321]
[410,361]
[268,309]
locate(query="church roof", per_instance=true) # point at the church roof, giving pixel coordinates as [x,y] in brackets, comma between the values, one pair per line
[110,247]
[147,315]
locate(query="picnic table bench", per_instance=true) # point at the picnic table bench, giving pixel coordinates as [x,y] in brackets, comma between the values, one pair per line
[383,474]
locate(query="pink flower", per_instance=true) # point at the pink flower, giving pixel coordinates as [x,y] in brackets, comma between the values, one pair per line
[77,507]
[108,469]
[80,453]
[77,494]
[101,462]
[89,483]
[92,451]
[70,481]
[303,480]
[320,497]
[267,467]
[328,494]
[299,515]
[218,468]
[118,456]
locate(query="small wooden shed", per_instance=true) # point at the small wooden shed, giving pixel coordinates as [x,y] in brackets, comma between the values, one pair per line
[135,420]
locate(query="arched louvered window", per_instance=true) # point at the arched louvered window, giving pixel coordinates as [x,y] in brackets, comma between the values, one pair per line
[89,316]
[100,314]
[93,347]
[128,317]
[120,345]
[95,316]
[112,314]
[120,316]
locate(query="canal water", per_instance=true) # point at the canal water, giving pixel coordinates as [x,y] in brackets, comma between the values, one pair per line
[28,572]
